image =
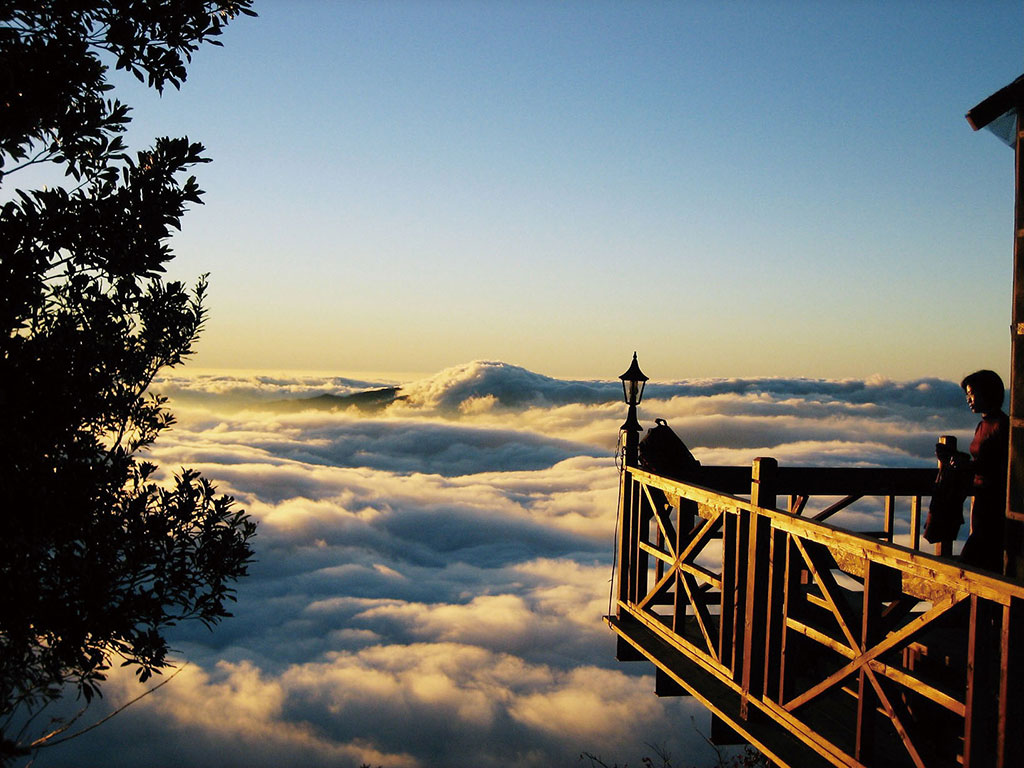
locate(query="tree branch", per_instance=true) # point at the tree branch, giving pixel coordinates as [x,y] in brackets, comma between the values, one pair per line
[44,741]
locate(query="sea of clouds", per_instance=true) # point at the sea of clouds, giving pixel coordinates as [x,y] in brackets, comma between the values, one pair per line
[431,576]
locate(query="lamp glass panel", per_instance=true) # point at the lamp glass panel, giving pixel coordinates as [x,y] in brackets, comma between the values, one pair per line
[632,390]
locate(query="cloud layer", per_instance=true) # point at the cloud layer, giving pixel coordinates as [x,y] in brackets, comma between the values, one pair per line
[431,577]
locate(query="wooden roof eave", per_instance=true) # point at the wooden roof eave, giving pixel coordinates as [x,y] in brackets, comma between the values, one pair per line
[998,104]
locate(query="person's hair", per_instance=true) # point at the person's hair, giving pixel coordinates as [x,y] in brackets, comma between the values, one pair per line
[987,384]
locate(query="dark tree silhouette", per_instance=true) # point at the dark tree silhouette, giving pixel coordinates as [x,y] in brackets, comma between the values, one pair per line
[96,559]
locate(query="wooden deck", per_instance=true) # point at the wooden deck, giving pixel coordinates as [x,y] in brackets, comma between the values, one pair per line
[820,645]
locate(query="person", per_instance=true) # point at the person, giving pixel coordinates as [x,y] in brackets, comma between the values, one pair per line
[987,464]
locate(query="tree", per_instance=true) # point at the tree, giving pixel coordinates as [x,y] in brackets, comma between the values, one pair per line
[97,559]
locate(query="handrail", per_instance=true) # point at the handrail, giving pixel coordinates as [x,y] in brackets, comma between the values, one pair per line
[968,580]
[926,641]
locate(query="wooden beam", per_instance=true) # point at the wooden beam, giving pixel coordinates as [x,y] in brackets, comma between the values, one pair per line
[830,591]
[727,614]
[915,522]
[763,494]
[1010,738]
[700,612]
[890,517]
[983,660]
[996,105]
[701,573]
[821,638]
[840,505]
[867,700]
[776,618]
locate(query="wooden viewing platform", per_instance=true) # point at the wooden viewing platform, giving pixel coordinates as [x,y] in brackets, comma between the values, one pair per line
[819,645]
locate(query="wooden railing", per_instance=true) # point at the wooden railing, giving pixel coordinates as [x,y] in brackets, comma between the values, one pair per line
[820,645]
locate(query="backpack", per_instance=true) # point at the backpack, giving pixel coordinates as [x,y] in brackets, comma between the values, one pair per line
[662,452]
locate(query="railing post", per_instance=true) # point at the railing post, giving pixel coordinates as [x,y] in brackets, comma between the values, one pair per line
[763,494]
[1010,739]
[628,536]
[778,574]
[983,662]
[730,594]
[625,553]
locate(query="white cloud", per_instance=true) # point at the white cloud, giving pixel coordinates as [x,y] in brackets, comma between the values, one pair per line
[430,577]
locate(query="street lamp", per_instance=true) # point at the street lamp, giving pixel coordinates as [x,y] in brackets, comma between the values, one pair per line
[633,381]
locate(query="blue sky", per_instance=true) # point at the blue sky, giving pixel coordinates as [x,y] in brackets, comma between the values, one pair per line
[731,188]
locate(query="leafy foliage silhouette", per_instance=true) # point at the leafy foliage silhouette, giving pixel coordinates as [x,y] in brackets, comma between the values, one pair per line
[96,558]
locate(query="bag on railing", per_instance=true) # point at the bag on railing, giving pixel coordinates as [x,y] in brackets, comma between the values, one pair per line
[662,452]
[946,509]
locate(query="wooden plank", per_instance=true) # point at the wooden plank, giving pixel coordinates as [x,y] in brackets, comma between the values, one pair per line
[625,551]
[762,495]
[643,518]
[632,537]
[702,537]
[983,661]
[839,506]
[895,719]
[890,517]
[756,615]
[867,700]
[727,614]
[830,590]
[664,524]
[790,611]
[867,481]
[897,675]
[1010,737]
[678,593]
[681,644]
[915,522]
[658,590]
[776,617]
[739,600]
[656,552]
[701,573]
[701,613]
[821,638]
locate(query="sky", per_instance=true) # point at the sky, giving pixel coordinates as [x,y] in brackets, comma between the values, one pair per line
[730,188]
[430,579]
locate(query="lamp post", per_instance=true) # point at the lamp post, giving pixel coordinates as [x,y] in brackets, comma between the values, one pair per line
[633,381]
